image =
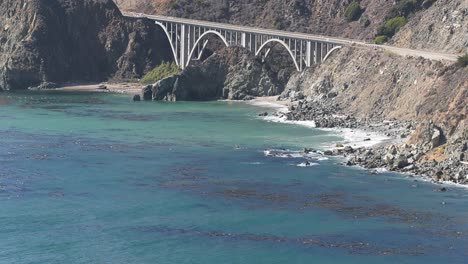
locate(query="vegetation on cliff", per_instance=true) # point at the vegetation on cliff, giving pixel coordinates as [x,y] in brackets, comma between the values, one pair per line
[390,28]
[162,71]
[353,11]
[462,61]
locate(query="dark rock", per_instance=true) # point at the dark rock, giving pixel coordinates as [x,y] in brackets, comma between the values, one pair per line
[307,150]
[263,114]
[442,189]
[328,153]
[137,98]
[102,87]
[147,93]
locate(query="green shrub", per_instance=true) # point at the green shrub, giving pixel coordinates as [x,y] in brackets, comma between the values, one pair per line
[391,27]
[353,11]
[380,40]
[162,71]
[462,61]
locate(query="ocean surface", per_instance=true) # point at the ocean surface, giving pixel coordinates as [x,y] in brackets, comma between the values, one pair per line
[96,178]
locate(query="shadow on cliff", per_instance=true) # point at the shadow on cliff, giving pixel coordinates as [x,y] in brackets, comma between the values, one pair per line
[62,41]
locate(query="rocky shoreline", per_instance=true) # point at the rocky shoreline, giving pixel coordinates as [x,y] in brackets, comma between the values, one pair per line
[400,154]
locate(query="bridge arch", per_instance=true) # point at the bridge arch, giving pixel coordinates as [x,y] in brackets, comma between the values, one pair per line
[284,45]
[331,51]
[169,38]
[195,45]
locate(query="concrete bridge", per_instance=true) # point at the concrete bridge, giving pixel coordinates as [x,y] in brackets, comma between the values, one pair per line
[188,39]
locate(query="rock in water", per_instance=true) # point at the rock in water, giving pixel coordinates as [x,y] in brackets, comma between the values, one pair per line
[147,92]
[136,98]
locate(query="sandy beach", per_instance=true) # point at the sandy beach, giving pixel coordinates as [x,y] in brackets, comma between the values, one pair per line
[123,88]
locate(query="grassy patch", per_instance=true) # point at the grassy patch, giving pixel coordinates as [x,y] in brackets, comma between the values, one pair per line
[164,70]
[380,40]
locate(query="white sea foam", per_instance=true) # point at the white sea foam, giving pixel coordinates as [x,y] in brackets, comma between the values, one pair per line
[357,138]
[279,107]
[305,164]
[353,137]
[283,120]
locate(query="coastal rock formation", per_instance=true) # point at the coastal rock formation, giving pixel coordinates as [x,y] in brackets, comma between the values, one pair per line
[57,41]
[232,73]
[358,88]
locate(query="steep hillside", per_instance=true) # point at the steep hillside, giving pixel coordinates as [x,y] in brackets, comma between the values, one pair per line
[444,27]
[432,24]
[378,84]
[324,17]
[73,41]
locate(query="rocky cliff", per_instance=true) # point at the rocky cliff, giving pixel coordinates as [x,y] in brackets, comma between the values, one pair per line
[378,84]
[426,102]
[73,41]
[442,27]
[231,73]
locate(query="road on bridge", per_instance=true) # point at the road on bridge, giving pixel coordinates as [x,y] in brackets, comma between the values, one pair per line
[348,42]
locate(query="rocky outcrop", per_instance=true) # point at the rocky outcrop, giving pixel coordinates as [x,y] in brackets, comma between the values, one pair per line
[59,41]
[232,73]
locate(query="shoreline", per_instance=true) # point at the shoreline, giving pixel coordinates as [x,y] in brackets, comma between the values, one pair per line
[361,153]
[349,135]
[356,144]
[130,88]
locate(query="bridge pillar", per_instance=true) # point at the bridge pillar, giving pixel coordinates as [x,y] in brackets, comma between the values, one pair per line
[183,47]
[243,40]
[309,54]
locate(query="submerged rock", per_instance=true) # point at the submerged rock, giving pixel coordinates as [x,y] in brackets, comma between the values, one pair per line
[137,98]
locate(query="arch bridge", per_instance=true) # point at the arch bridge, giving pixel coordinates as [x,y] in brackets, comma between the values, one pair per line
[188,39]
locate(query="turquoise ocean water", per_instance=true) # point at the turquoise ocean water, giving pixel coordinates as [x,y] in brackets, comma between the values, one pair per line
[96,178]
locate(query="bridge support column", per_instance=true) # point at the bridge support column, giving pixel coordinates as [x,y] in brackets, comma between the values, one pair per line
[309,54]
[244,40]
[183,47]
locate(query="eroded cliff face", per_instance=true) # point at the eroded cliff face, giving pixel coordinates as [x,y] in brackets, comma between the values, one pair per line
[378,84]
[73,41]
[442,27]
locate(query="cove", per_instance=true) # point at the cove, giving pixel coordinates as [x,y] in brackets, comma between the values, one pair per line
[95,178]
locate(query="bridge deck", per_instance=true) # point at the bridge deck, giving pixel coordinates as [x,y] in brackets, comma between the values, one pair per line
[245,29]
[300,36]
